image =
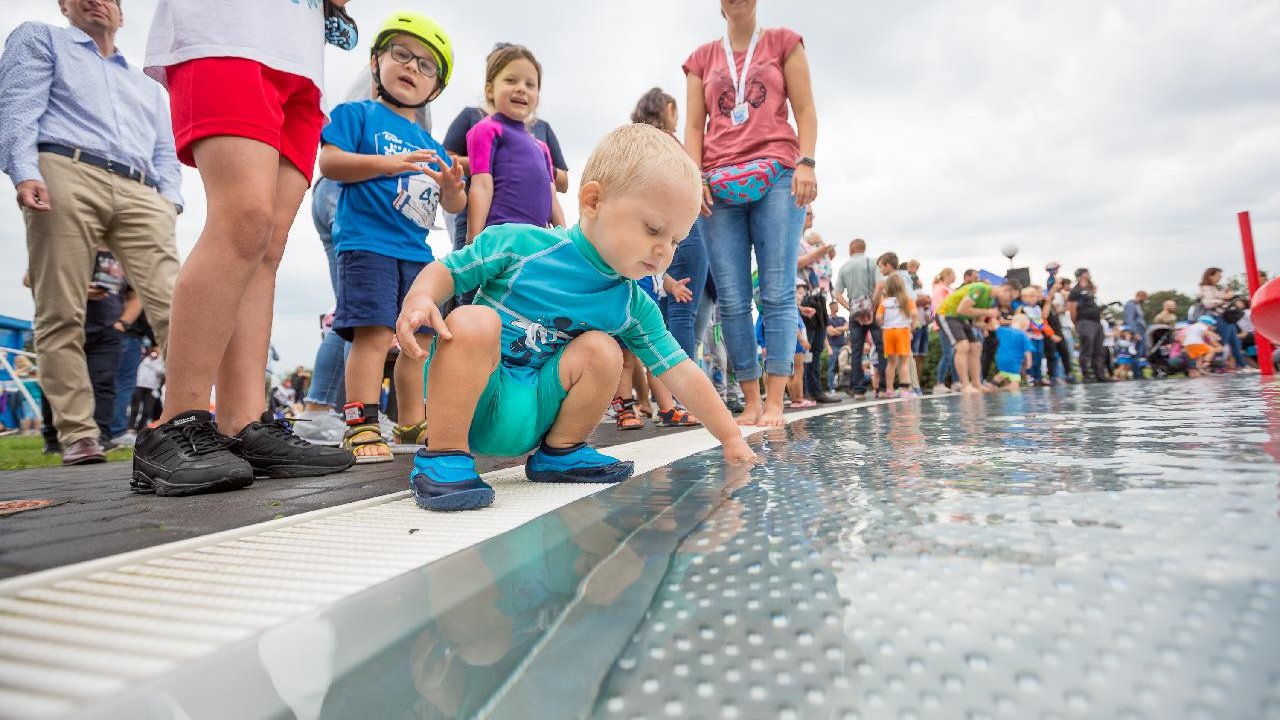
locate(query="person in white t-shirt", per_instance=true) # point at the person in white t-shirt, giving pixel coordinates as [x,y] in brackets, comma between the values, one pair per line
[244,79]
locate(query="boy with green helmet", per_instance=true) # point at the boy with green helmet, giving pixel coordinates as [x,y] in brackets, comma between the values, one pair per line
[394,176]
[426,31]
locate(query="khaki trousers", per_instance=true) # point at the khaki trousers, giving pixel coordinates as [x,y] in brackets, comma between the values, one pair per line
[91,207]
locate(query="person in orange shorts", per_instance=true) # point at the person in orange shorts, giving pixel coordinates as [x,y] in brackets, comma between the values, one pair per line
[896,314]
[1201,343]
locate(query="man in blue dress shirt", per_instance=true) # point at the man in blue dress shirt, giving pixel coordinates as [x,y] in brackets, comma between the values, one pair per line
[88,144]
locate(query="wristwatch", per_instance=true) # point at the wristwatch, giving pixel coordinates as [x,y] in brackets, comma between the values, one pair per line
[807,161]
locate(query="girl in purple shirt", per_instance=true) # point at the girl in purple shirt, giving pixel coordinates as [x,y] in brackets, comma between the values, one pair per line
[512,177]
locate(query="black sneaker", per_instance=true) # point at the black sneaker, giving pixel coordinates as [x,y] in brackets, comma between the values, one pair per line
[274,451]
[186,456]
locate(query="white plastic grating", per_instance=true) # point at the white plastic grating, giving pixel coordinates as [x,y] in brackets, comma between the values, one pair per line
[83,633]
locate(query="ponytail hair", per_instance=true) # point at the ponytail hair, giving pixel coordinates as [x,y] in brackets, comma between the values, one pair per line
[652,109]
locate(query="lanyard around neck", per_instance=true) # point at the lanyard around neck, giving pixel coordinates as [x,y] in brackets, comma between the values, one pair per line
[740,84]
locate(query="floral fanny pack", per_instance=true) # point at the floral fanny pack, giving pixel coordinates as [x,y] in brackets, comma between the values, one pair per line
[743,183]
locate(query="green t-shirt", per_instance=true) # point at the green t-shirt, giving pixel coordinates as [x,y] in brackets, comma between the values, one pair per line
[979,291]
[550,285]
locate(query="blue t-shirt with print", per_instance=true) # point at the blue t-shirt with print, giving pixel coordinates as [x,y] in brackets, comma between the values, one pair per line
[387,215]
[1014,344]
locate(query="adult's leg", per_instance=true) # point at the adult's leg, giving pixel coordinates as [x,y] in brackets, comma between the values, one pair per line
[587,367]
[775,225]
[126,381]
[877,340]
[1089,344]
[142,236]
[987,367]
[61,250]
[857,344]
[240,180]
[102,357]
[460,370]
[728,246]
[241,397]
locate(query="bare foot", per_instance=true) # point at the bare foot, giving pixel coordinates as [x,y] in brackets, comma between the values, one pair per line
[772,418]
[970,390]
[750,417]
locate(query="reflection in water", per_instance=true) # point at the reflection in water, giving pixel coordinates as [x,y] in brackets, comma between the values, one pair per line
[1092,552]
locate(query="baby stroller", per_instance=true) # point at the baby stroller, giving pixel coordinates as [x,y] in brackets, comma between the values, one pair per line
[1165,356]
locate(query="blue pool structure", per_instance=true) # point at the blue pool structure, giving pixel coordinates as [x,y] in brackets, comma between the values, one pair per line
[1102,551]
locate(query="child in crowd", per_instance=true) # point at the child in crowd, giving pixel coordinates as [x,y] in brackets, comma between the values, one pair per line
[923,319]
[513,179]
[394,177]
[533,363]
[795,388]
[1013,354]
[1126,356]
[895,315]
[1038,330]
[1201,343]
[837,339]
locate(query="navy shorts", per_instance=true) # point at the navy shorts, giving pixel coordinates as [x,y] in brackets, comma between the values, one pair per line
[371,289]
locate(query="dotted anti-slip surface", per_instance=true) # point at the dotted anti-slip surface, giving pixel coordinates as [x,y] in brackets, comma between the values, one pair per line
[1090,554]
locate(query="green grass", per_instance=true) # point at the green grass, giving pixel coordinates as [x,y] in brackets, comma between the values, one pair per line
[24,453]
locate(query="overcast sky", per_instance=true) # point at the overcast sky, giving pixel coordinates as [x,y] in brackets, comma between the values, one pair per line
[1120,135]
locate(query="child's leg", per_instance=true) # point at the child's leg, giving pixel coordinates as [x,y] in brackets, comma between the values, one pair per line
[364,377]
[587,368]
[795,384]
[460,371]
[410,409]
[227,271]
[904,370]
[666,401]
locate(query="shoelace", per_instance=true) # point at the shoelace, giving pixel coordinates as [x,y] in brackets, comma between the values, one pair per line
[283,428]
[203,438]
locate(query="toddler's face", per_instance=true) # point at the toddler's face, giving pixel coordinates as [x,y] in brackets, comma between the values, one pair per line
[405,78]
[637,232]
[514,91]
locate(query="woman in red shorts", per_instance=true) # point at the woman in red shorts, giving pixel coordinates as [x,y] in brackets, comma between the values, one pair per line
[244,80]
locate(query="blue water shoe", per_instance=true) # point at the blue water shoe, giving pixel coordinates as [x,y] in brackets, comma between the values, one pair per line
[577,464]
[448,481]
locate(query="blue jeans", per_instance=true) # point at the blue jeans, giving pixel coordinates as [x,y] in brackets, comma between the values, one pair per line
[947,365]
[126,381]
[1230,335]
[770,226]
[833,365]
[857,340]
[1037,359]
[328,379]
[690,262]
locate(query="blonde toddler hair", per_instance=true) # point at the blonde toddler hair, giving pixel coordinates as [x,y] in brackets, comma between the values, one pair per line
[637,153]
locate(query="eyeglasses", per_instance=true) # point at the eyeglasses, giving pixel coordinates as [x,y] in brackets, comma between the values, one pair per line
[403,55]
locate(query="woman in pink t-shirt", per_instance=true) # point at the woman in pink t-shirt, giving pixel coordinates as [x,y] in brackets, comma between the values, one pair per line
[759,177]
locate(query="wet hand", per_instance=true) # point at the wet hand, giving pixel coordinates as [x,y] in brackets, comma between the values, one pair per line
[415,315]
[738,454]
[34,195]
[804,185]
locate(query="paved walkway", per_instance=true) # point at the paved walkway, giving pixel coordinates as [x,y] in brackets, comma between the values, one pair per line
[95,514]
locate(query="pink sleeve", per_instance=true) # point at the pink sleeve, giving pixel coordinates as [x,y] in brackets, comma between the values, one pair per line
[480,143]
[551,167]
[785,40]
[696,64]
